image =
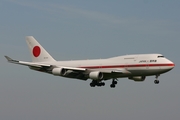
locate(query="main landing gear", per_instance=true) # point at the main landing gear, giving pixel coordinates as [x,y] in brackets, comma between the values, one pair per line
[114,82]
[100,83]
[156,81]
[97,83]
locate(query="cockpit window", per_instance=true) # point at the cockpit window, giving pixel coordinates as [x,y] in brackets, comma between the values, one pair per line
[160,56]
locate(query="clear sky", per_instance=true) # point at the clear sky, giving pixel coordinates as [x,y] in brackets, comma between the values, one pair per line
[79,29]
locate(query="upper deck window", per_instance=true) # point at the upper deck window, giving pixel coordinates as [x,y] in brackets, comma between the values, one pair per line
[161,56]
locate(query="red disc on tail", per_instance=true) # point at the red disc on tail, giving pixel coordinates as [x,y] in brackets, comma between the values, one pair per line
[36,51]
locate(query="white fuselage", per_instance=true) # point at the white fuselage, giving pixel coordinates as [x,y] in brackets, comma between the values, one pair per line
[137,65]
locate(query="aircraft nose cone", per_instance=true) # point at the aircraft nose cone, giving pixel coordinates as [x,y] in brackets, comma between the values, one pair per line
[171,65]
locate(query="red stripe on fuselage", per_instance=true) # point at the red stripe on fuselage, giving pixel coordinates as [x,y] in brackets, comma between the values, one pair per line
[133,65]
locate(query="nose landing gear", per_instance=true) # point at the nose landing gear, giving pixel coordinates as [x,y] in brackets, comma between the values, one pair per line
[156,81]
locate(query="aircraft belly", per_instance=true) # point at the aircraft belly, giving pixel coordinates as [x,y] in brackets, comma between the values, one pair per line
[147,72]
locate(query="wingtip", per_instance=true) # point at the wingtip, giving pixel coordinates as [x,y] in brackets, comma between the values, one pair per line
[8,58]
[11,60]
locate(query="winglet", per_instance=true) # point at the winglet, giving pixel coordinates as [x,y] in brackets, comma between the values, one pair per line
[10,59]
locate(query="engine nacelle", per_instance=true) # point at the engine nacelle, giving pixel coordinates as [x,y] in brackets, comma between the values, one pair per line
[96,75]
[138,78]
[59,71]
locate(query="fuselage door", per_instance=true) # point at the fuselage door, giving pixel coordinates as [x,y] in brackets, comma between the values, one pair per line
[147,64]
[130,62]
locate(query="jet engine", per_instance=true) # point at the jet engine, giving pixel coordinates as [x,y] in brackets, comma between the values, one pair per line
[96,75]
[59,71]
[138,78]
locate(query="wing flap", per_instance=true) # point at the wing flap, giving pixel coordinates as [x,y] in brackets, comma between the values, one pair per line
[121,71]
[74,68]
[33,64]
[118,71]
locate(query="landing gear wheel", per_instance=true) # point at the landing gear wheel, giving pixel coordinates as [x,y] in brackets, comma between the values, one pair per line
[96,83]
[99,84]
[102,84]
[156,81]
[92,84]
[112,85]
[114,82]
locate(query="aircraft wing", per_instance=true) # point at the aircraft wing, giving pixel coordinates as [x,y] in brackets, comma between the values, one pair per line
[30,64]
[70,72]
[41,65]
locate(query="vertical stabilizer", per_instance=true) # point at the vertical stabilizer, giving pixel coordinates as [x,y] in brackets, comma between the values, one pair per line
[38,53]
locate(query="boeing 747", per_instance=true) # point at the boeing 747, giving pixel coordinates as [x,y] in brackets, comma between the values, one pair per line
[135,67]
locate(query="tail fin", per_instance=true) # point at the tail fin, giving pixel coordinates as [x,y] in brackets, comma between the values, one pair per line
[38,53]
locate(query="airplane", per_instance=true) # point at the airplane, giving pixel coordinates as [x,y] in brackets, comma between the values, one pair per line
[134,67]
